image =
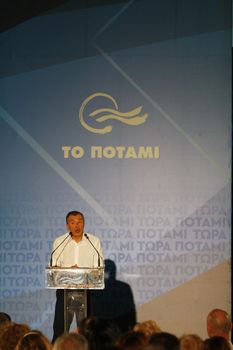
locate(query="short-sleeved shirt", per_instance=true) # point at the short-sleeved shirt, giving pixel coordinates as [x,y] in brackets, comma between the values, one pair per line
[82,254]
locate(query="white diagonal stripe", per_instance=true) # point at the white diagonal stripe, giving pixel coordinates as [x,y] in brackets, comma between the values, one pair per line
[224,172]
[111,20]
[54,165]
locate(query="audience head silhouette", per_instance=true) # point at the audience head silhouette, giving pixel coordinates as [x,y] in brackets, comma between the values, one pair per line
[163,341]
[216,343]
[132,340]
[34,340]
[147,327]
[12,335]
[191,342]
[5,321]
[71,341]
[219,324]
[4,317]
[100,333]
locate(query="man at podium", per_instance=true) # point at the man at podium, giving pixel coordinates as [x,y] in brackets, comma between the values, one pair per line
[73,249]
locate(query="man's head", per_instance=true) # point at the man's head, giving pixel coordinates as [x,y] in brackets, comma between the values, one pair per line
[219,324]
[75,224]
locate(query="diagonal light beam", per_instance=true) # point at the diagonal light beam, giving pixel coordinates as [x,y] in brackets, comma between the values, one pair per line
[111,20]
[224,172]
[176,126]
[54,165]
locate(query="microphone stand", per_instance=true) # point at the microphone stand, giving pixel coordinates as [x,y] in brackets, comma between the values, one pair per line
[51,258]
[94,248]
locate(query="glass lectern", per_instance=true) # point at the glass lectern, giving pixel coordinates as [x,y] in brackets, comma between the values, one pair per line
[75,282]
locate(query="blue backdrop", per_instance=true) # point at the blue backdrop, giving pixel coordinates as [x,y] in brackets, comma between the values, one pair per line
[121,111]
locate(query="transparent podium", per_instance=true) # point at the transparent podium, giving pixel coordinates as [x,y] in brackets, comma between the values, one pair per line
[75,282]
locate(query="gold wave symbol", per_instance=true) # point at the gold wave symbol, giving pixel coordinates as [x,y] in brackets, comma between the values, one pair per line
[132,117]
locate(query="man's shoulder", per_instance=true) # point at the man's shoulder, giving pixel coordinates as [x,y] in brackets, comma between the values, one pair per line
[91,236]
[61,237]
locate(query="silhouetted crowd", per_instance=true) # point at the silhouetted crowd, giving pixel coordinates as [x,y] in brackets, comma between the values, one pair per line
[101,334]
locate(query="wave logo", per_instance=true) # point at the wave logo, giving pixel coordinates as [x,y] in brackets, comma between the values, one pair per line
[101,115]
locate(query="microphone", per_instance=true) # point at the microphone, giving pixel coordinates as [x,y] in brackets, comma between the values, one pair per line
[99,256]
[51,257]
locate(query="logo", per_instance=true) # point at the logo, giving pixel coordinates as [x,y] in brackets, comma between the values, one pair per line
[102,115]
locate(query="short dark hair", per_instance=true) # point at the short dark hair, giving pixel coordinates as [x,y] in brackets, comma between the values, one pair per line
[74,213]
[4,317]
[216,343]
[164,341]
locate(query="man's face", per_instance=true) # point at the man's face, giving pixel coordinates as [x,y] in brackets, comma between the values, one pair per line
[75,225]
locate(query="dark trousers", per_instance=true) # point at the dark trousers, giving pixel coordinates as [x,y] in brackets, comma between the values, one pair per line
[58,323]
[75,308]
